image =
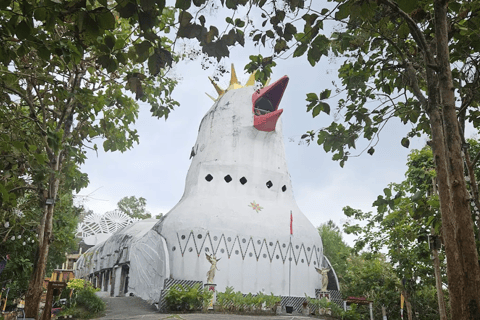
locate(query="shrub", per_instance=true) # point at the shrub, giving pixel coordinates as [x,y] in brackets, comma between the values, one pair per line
[90,301]
[236,302]
[180,298]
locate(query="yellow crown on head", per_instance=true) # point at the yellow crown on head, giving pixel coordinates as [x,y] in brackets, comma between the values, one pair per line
[234,84]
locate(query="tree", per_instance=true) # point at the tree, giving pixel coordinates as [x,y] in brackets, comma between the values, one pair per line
[62,84]
[334,248]
[134,207]
[19,237]
[411,59]
[370,276]
[407,227]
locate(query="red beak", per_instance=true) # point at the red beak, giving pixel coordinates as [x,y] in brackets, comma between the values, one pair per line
[265,105]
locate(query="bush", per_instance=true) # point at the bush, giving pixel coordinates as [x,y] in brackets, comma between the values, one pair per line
[236,302]
[83,303]
[90,301]
[336,311]
[180,298]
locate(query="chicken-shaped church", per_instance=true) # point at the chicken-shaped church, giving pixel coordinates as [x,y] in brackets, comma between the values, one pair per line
[237,223]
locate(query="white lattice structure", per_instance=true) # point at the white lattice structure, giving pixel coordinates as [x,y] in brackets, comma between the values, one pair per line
[96,228]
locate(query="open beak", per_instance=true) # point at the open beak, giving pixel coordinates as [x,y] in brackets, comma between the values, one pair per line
[265,105]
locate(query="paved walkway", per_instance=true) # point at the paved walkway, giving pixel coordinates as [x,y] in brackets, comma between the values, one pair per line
[136,308]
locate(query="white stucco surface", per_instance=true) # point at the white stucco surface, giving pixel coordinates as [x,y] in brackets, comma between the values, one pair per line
[255,249]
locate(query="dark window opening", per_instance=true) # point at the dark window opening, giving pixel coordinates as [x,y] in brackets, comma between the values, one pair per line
[243,180]
[263,105]
[227,178]
[269,184]
[209,177]
[284,188]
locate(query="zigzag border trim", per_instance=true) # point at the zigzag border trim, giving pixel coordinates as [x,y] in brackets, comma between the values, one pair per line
[261,246]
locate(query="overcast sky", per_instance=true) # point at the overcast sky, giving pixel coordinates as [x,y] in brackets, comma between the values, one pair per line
[156,168]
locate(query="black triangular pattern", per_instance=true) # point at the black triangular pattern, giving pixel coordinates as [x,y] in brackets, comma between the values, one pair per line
[309,259]
[284,257]
[244,247]
[277,244]
[186,242]
[218,244]
[204,237]
[267,245]
[316,257]
[302,247]
[210,242]
[259,251]
[229,252]
[253,246]
[295,257]
[244,254]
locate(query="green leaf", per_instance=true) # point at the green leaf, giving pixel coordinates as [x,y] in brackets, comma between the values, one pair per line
[147,4]
[312,97]
[387,192]
[23,30]
[280,45]
[314,55]
[343,11]
[105,18]
[142,50]
[183,4]
[300,50]
[408,5]
[325,94]
[184,18]
[417,196]
[198,3]
[371,151]
[128,10]
[325,107]
[239,23]
[316,110]
[40,14]
[405,142]
[109,41]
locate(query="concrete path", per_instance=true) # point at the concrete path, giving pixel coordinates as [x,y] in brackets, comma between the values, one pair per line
[135,308]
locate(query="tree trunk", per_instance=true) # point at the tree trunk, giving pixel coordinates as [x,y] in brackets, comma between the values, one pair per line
[438,274]
[35,287]
[462,260]
[438,283]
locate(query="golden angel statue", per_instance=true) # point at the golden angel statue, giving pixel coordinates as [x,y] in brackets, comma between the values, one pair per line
[324,273]
[211,273]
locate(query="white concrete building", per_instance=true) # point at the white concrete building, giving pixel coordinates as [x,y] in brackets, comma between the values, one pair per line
[238,205]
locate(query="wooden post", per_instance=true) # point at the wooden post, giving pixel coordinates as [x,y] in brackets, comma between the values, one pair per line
[47,310]
[384,313]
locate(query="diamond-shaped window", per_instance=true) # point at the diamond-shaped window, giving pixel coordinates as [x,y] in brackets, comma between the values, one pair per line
[243,180]
[209,177]
[227,178]
[269,184]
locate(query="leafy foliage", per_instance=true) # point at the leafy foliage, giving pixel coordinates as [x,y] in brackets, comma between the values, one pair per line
[185,298]
[407,217]
[134,207]
[236,302]
[334,247]
[19,232]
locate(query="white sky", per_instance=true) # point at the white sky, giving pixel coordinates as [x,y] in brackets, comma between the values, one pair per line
[156,168]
